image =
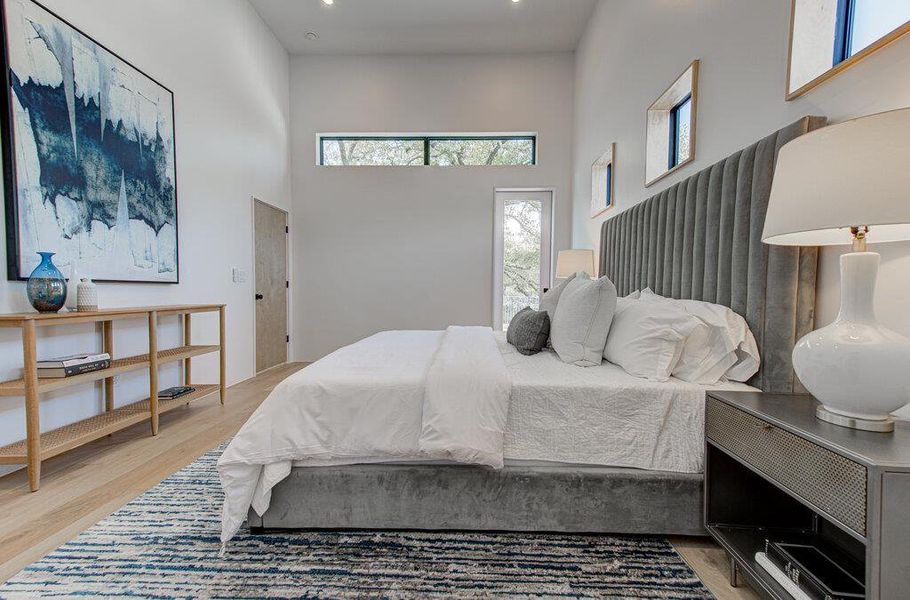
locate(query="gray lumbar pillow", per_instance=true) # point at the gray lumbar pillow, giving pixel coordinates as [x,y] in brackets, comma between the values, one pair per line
[529,330]
[550,298]
[583,317]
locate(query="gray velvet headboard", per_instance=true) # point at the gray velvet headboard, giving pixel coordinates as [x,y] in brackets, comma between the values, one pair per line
[701,239]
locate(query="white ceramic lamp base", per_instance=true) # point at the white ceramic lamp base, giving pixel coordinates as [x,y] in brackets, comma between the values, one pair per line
[856,368]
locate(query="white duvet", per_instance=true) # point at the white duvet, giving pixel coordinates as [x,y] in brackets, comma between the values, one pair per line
[397,395]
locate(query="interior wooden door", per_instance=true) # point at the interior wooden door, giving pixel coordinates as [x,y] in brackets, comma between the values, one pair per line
[271,280]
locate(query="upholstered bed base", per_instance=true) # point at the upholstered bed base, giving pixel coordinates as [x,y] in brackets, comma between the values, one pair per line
[701,239]
[431,497]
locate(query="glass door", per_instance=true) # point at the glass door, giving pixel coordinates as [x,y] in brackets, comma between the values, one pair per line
[522,251]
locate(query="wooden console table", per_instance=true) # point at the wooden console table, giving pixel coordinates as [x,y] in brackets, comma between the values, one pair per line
[40,446]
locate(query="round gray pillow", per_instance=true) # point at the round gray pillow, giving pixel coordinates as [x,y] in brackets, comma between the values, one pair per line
[529,330]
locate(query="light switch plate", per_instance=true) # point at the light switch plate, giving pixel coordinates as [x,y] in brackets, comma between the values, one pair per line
[239,275]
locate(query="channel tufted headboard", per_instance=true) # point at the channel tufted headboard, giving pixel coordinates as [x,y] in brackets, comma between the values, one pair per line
[701,239]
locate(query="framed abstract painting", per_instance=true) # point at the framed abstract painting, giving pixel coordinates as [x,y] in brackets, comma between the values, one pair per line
[602,177]
[89,159]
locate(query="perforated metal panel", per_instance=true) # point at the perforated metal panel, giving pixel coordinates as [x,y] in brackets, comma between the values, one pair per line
[833,483]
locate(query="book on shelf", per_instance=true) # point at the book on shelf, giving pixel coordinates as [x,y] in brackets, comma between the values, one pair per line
[175,392]
[79,369]
[72,360]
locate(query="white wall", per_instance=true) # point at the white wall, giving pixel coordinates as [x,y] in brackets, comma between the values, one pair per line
[632,51]
[412,247]
[230,77]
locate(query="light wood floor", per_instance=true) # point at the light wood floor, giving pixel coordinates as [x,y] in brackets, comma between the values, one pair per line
[83,486]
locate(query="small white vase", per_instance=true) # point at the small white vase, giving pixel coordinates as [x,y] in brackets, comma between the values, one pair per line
[87,296]
[71,284]
[856,368]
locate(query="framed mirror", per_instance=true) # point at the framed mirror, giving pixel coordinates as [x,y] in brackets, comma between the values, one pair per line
[671,127]
[830,36]
[602,178]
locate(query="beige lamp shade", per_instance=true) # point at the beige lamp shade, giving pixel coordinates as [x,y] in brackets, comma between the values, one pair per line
[573,261]
[854,173]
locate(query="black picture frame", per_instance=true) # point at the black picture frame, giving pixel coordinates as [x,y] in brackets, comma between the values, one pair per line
[7,152]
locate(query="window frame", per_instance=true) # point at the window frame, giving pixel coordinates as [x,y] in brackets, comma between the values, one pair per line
[609,191]
[673,161]
[843,31]
[791,93]
[427,140]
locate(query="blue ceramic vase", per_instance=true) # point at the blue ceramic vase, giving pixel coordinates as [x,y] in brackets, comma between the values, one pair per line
[46,286]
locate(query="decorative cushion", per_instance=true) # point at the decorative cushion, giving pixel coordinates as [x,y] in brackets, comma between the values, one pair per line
[529,330]
[582,322]
[550,298]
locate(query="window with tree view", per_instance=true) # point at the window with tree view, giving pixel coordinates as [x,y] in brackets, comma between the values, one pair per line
[523,242]
[442,151]
[680,121]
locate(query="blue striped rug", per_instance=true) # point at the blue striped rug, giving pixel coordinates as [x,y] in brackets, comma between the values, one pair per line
[164,544]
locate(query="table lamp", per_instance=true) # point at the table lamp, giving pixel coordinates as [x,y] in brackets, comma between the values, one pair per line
[846,183]
[569,262]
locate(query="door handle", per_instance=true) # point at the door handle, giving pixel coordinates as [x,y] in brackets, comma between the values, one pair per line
[258,296]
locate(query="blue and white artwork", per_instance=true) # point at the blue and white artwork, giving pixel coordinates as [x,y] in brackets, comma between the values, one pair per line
[90,158]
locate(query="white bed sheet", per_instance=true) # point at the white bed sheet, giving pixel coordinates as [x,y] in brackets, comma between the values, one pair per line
[561,414]
[602,415]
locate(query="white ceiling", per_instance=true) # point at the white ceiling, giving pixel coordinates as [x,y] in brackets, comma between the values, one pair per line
[427,26]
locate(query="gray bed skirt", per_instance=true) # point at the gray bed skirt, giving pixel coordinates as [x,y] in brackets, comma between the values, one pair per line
[516,498]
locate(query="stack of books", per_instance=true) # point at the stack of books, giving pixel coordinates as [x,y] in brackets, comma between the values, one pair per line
[75,364]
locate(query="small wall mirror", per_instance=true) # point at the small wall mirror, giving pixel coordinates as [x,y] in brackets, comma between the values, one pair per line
[671,127]
[602,177]
[830,36]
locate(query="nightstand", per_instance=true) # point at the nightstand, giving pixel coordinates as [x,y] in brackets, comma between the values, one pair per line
[772,470]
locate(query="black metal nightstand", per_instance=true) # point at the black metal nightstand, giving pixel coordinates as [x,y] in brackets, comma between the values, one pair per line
[772,470]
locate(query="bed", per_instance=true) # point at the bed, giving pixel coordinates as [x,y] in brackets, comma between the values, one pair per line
[634,466]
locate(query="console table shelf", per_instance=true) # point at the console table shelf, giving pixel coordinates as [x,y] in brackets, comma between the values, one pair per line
[16,387]
[40,446]
[82,432]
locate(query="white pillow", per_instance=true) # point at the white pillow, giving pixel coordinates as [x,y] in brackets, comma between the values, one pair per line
[550,298]
[647,338]
[623,302]
[709,351]
[582,322]
[732,337]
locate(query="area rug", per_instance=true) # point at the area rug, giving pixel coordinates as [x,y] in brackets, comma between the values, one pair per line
[164,544]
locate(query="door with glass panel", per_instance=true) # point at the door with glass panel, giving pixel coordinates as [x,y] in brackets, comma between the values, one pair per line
[522,251]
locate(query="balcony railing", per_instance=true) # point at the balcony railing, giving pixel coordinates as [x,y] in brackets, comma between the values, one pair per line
[512,304]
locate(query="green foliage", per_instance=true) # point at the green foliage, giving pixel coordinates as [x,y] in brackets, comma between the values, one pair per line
[521,249]
[444,153]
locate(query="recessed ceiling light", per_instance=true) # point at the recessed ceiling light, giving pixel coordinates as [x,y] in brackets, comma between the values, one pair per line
[331,2]
[513,1]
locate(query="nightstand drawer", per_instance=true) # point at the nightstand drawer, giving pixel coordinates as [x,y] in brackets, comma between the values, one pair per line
[825,479]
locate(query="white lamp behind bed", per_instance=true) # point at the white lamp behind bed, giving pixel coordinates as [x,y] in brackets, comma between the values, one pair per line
[849,181]
[569,262]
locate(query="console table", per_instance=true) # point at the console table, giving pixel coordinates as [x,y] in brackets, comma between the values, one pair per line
[39,446]
[772,470]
